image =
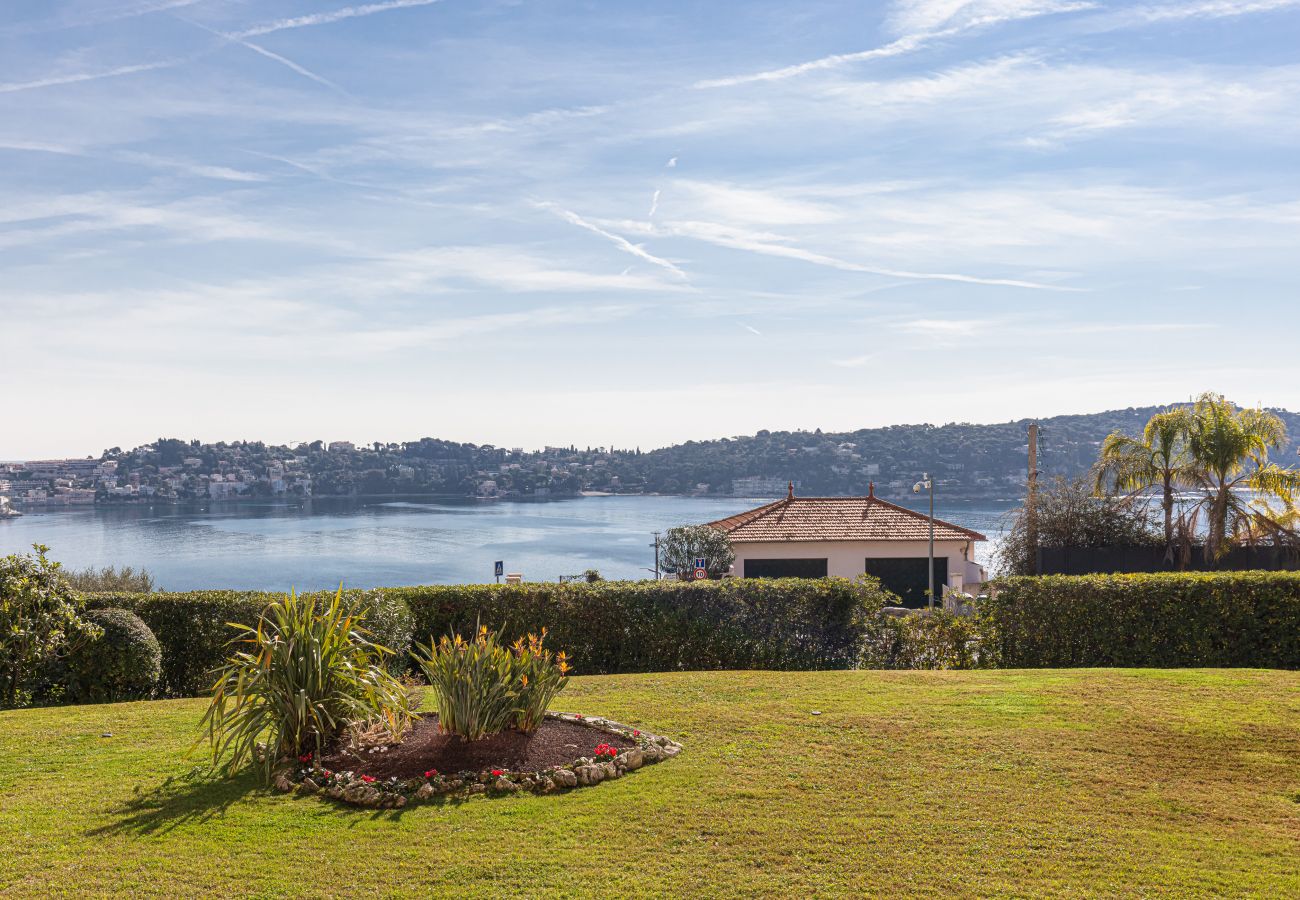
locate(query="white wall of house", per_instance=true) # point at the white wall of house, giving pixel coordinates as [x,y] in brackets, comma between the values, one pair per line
[847,559]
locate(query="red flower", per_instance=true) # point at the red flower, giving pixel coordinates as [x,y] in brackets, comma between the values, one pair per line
[577,715]
[368,779]
[305,758]
[636,734]
[498,772]
[430,773]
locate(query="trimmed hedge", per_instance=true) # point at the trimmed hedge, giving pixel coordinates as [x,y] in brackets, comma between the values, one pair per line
[193,628]
[1169,619]
[607,627]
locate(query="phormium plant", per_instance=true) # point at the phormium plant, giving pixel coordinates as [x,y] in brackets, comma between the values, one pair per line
[306,670]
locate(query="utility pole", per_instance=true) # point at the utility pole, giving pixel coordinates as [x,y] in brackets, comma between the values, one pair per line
[927,483]
[1031,495]
[656,546]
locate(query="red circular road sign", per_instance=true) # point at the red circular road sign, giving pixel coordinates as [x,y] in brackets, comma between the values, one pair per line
[701,574]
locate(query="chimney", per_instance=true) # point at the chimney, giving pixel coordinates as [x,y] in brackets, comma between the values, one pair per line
[789,495]
[871,491]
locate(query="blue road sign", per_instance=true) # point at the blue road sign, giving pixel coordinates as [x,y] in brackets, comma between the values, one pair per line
[500,569]
[701,562]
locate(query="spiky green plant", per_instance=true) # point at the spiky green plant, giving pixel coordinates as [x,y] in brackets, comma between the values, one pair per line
[541,675]
[473,684]
[302,674]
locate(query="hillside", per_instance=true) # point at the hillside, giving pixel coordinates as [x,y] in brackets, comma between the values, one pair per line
[969,462]
[974,461]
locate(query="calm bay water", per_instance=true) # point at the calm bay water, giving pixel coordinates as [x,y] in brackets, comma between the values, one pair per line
[371,543]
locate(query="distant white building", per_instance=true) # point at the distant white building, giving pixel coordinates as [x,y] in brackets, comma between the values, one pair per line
[813,537]
[340,446]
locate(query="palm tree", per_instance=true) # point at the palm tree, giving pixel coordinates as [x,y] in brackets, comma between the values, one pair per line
[1229,450]
[1159,458]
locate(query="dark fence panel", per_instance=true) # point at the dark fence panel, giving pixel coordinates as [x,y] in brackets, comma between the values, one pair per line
[1113,560]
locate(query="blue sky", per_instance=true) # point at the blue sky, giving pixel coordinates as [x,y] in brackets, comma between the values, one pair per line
[552,222]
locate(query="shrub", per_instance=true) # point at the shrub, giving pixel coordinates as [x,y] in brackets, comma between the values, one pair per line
[1166,619]
[473,683]
[123,663]
[607,627]
[39,619]
[137,581]
[935,639]
[308,670]
[1069,514]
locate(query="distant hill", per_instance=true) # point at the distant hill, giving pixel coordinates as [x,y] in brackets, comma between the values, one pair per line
[971,461]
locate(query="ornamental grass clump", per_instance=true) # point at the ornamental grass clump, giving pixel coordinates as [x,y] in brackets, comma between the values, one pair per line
[308,670]
[482,687]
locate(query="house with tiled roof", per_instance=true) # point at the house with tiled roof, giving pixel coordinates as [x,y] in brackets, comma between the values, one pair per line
[813,537]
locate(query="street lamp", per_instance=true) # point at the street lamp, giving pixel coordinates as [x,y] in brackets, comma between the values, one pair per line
[927,484]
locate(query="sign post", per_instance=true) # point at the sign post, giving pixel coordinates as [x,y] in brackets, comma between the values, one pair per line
[500,569]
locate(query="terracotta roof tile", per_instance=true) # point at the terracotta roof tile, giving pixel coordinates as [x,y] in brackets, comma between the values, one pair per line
[838,519]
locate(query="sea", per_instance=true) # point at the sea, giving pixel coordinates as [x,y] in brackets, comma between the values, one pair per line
[361,543]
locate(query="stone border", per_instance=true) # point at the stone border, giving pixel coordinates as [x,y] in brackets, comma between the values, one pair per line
[395,793]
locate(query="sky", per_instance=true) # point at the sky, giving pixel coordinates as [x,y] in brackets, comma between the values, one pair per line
[616,224]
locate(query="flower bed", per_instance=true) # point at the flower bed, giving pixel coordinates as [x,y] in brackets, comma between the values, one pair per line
[631,750]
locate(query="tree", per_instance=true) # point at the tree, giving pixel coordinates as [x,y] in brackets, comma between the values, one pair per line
[1069,513]
[1229,448]
[682,546]
[1158,459]
[39,618]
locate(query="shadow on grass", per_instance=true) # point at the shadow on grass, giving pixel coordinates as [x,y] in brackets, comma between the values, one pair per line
[180,800]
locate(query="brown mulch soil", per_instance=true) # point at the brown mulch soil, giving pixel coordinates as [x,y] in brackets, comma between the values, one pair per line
[424,747]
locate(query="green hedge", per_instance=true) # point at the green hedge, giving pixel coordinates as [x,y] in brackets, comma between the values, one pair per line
[193,627]
[1168,619]
[607,627]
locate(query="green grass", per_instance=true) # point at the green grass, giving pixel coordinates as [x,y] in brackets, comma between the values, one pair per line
[947,784]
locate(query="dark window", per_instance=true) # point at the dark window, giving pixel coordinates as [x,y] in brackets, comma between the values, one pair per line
[909,578]
[785,568]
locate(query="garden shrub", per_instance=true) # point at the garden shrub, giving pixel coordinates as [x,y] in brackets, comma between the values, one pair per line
[40,620]
[123,663]
[935,639]
[1170,619]
[473,684]
[301,673]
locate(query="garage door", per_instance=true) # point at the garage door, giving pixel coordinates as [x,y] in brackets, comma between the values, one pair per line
[785,568]
[909,578]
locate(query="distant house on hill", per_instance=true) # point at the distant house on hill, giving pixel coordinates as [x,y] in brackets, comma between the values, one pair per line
[812,537]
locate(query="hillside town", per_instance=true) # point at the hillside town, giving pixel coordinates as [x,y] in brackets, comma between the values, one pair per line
[969,462]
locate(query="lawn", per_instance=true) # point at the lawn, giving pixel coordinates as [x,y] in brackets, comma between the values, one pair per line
[1045,783]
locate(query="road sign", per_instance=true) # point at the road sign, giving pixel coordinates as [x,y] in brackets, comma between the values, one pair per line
[701,562]
[500,568]
[701,574]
